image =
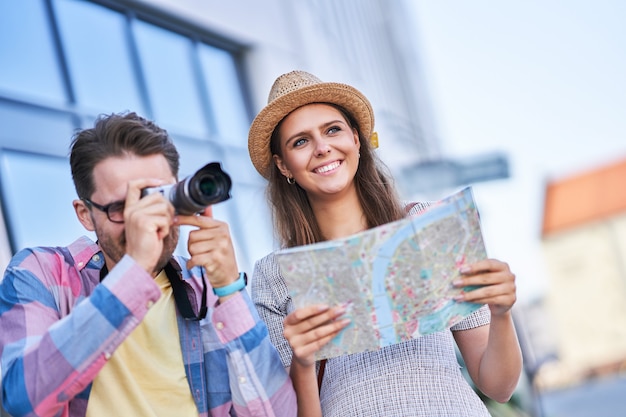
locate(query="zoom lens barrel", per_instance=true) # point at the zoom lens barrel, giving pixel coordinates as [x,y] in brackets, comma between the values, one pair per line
[209,185]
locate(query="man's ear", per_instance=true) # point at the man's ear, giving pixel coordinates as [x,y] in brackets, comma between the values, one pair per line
[280,164]
[83,214]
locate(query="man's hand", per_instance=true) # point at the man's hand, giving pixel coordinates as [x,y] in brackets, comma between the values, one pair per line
[210,246]
[147,221]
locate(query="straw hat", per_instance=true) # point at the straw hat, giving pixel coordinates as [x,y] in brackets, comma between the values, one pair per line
[296,89]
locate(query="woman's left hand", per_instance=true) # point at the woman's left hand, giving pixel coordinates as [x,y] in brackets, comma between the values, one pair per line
[495,285]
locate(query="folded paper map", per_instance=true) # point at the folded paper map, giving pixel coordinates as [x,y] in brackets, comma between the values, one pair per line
[395,279]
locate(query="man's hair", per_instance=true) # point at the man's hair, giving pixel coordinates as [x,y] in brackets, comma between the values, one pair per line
[292,213]
[116,135]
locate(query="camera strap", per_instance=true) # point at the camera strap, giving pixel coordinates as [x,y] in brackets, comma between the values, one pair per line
[180,293]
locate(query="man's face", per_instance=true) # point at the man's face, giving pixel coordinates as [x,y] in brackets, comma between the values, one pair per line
[111,177]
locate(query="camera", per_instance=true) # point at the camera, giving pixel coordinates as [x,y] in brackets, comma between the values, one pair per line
[208,186]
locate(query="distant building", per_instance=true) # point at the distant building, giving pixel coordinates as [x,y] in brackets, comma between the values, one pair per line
[584,242]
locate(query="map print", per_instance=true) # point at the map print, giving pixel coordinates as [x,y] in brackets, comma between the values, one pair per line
[395,279]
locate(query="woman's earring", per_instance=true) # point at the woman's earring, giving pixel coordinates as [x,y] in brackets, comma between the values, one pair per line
[291,180]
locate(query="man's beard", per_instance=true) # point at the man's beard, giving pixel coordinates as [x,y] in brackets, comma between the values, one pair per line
[116,250]
[169,246]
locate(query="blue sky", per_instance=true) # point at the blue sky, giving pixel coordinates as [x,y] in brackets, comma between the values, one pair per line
[542,81]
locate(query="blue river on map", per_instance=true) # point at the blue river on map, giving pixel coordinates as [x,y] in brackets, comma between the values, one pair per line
[381,301]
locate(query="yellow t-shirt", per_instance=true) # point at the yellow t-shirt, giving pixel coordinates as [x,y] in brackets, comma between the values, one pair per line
[146,375]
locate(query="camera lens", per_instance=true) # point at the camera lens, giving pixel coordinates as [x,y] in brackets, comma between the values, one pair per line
[210,185]
[207,186]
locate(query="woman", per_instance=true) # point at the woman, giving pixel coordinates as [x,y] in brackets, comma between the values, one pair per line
[311,142]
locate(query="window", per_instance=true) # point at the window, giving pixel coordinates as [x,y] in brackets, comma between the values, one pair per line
[166,60]
[27,47]
[99,58]
[228,109]
[37,194]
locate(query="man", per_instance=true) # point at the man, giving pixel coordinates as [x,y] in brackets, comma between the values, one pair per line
[121,327]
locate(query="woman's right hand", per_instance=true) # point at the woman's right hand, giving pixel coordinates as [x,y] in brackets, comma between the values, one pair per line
[309,328]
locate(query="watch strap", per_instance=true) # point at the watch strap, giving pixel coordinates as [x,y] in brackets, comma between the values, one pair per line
[233,287]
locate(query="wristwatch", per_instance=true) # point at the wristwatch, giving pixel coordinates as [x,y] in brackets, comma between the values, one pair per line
[233,287]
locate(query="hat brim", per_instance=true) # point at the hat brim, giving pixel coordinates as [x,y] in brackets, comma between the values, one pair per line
[268,118]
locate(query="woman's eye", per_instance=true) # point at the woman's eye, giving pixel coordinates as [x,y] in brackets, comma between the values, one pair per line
[299,142]
[334,129]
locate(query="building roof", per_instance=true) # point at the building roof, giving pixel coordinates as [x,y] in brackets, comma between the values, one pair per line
[584,198]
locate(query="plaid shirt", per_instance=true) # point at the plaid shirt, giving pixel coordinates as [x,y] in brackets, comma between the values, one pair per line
[60,325]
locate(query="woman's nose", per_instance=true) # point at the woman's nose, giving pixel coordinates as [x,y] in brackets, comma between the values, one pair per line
[322,148]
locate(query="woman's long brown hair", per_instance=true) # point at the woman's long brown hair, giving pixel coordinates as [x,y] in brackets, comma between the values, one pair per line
[294,220]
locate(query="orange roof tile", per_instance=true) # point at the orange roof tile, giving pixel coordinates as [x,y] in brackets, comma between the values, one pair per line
[584,198]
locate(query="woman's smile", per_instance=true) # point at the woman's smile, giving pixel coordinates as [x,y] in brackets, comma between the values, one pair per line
[327,168]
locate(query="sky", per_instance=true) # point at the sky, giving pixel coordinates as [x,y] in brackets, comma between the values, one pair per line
[543,82]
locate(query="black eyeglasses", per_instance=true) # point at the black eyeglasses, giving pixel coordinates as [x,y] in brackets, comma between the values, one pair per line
[114,210]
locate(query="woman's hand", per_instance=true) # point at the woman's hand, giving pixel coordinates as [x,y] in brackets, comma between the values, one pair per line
[495,282]
[308,329]
[492,353]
